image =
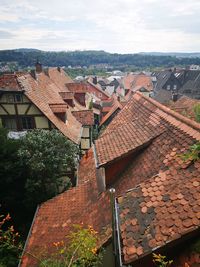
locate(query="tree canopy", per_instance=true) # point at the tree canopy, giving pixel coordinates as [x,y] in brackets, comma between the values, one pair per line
[32,170]
[26,57]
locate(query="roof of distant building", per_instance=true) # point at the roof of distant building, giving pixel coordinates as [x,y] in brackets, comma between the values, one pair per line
[85,117]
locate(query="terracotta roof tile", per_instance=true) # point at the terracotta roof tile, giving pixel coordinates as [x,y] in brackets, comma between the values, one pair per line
[60,78]
[116,106]
[43,93]
[184,106]
[8,82]
[81,204]
[78,87]
[174,204]
[135,81]
[123,140]
[85,117]
[163,204]
[58,108]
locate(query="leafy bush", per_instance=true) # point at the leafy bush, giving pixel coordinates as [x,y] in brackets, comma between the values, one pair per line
[47,156]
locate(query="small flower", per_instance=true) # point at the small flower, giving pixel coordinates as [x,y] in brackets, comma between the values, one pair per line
[8,217]
[94,250]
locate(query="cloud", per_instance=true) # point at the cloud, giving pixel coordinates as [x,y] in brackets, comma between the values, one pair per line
[6,35]
[116,25]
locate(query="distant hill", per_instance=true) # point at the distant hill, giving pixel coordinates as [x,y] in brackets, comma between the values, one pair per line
[25,50]
[172,54]
[27,57]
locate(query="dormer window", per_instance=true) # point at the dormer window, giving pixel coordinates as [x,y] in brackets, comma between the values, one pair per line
[60,111]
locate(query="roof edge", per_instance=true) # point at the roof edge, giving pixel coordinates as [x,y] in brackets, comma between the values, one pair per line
[187,121]
[29,234]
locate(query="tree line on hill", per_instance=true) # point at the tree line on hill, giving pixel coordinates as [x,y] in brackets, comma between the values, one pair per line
[28,57]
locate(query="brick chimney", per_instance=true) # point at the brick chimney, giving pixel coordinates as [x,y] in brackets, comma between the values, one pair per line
[33,74]
[38,67]
[95,80]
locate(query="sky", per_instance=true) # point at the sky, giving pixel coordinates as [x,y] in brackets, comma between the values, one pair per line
[119,26]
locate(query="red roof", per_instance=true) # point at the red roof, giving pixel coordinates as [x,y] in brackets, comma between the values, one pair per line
[67,95]
[111,111]
[78,87]
[185,106]
[85,117]
[8,82]
[135,82]
[60,78]
[55,217]
[43,92]
[154,176]
[59,108]
[160,210]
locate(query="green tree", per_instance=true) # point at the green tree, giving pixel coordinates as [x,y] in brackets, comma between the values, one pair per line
[33,169]
[47,157]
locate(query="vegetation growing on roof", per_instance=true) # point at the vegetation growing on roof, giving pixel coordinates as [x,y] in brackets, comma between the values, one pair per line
[161,261]
[197,112]
[81,250]
[193,153]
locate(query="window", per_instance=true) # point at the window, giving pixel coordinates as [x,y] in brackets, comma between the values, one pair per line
[168,87]
[175,86]
[18,98]
[14,98]
[27,123]
[9,123]
[100,94]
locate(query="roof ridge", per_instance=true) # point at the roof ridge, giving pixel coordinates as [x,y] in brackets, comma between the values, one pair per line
[194,125]
[98,88]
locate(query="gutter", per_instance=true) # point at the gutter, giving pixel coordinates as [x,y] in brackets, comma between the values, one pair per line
[29,233]
[115,229]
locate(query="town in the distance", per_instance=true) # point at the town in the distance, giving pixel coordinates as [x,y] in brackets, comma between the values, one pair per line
[129,135]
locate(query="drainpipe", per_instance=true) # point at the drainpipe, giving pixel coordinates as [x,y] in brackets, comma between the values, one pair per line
[115,229]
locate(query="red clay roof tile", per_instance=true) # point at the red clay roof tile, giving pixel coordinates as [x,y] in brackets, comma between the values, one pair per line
[42,92]
[85,117]
[156,175]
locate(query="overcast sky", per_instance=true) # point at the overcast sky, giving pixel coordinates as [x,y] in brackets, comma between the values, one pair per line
[123,26]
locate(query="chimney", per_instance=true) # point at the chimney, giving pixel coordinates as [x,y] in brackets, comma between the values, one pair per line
[58,68]
[46,72]
[33,74]
[95,80]
[38,67]
[174,97]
